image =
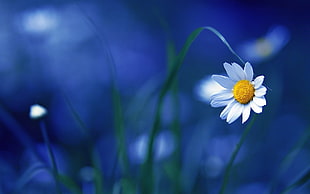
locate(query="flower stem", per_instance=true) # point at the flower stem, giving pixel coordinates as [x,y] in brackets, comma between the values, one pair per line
[15,128]
[234,155]
[51,156]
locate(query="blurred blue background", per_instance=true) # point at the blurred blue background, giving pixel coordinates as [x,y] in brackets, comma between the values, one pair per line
[50,51]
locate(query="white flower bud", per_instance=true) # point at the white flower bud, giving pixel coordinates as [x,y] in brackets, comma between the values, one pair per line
[37,111]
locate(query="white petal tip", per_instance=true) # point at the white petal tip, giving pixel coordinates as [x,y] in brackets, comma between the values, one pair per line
[230,122]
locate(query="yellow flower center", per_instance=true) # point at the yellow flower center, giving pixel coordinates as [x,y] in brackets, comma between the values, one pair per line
[243,91]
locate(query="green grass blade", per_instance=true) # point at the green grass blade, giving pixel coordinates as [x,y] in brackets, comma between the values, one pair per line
[137,109]
[174,168]
[98,177]
[234,155]
[289,158]
[171,55]
[147,168]
[120,132]
[128,186]
[82,126]
[69,184]
[299,182]
[118,112]
[218,34]
[51,155]
[35,169]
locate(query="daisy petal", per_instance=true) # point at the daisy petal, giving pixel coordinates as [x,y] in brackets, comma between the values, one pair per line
[234,112]
[223,81]
[220,103]
[222,95]
[261,91]
[255,107]
[239,71]
[258,81]
[231,72]
[260,101]
[226,110]
[246,113]
[248,70]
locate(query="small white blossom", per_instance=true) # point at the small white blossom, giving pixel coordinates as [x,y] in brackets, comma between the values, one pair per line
[260,49]
[206,88]
[37,111]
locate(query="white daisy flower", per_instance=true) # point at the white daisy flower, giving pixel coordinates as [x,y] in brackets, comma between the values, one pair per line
[260,49]
[240,94]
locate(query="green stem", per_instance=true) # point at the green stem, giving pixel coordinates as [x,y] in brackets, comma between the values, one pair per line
[234,155]
[51,155]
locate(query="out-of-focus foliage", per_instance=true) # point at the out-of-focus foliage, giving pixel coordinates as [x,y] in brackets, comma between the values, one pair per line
[53,53]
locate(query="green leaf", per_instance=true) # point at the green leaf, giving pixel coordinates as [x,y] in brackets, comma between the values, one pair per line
[128,186]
